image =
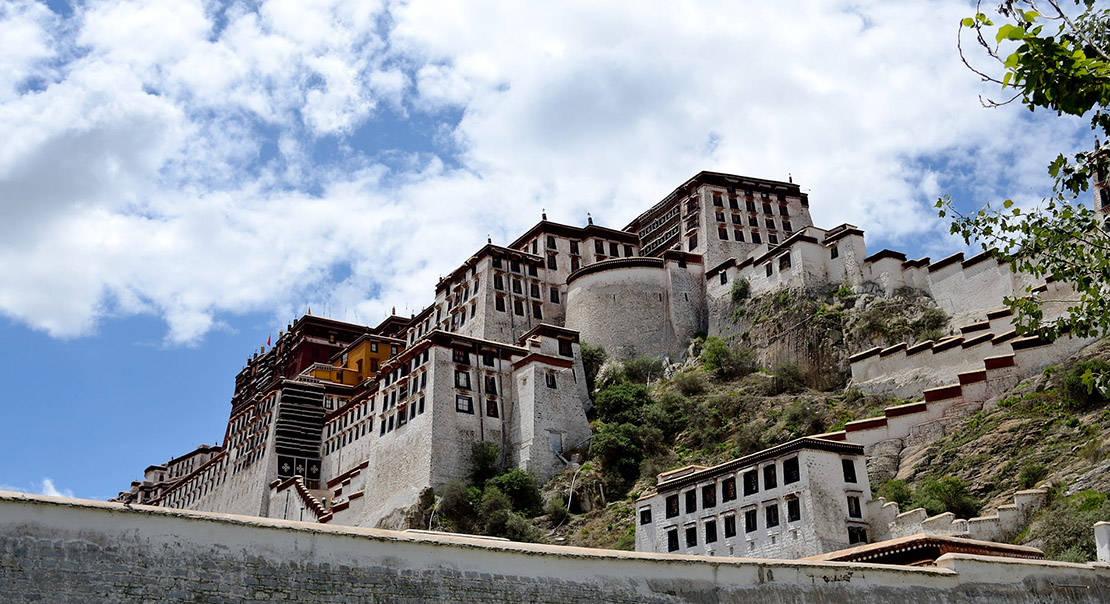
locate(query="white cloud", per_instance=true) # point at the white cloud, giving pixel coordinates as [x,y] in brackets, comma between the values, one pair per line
[196,159]
[46,487]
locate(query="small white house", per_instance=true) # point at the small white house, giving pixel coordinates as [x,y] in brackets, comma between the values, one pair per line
[805,497]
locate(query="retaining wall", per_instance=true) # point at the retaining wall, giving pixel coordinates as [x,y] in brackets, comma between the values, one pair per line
[59,550]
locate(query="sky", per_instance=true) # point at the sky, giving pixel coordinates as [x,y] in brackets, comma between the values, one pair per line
[180,180]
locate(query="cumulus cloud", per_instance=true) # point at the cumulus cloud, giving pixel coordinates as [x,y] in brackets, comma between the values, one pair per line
[198,159]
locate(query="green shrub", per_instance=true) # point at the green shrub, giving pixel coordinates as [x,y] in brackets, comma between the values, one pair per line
[642,370]
[726,362]
[1031,474]
[689,383]
[1078,383]
[667,413]
[802,419]
[931,324]
[484,457]
[556,510]
[897,491]
[1065,526]
[457,506]
[741,289]
[520,487]
[621,403]
[618,449]
[788,378]
[948,494]
[592,360]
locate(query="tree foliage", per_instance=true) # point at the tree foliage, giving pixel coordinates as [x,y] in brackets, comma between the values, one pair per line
[1046,59]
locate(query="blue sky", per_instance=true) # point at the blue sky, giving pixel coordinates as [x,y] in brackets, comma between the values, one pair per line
[180,180]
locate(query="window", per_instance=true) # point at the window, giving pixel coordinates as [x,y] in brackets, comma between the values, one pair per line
[575,264]
[535,290]
[599,247]
[750,205]
[537,310]
[751,482]
[383,429]
[574,247]
[645,516]
[516,287]
[853,507]
[722,233]
[550,379]
[373,347]
[423,380]
[551,263]
[514,266]
[491,384]
[753,221]
[491,408]
[793,510]
[720,216]
[786,226]
[518,307]
[672,540]
[857,534]
[691,501]
[499,303]
[766,207]
[535,244]
[783,210]
[784,262]
[724,277]
[672,506]
[849,470]
[728,489]
[770,269]
[749,521]
[790,473]
[496,262]
[711,531]
[565,348]
[738,234]
[770,477]
[772,238]
[420,407]
[717,200]
[550,242]
[730,526]
[487,359]
[464,404]
[834,252]
[693,242]
[628,249]
[390,429]
[732,203]
[462,379]
[756,238]
[709,496]
[614,249]
[554,295]
[460,356]
[691,536]
[412,414]
[772,512]
[498,283]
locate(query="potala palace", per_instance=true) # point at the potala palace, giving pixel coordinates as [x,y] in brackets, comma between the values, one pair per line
[345,424]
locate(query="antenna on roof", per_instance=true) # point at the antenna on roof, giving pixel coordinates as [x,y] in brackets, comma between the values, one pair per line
[589,219]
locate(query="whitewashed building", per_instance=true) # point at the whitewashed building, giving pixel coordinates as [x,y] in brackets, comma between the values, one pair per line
[805,497]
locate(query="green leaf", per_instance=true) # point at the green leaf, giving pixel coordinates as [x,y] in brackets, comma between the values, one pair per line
[968,22]
[1007,203]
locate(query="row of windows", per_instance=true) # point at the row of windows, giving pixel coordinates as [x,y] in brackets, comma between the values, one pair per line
[749,204]
[599,248]
[791,474]
[753,220]
[402,417]
[465,404]
[738,235]
[709,527]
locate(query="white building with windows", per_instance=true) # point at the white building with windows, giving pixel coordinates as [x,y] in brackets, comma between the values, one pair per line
[802,498]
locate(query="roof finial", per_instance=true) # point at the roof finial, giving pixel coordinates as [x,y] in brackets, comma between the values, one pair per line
[790,177]
[543,213]
[488,238]
[589,219]
[394,311]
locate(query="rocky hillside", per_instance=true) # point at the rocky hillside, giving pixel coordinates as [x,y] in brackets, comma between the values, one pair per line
[728,400]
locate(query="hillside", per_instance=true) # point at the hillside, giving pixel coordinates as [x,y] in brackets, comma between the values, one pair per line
[727,400]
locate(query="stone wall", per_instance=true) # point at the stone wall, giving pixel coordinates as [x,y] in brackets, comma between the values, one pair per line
[78,551]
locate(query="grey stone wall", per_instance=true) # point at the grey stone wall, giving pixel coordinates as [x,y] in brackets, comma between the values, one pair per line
[54,550]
